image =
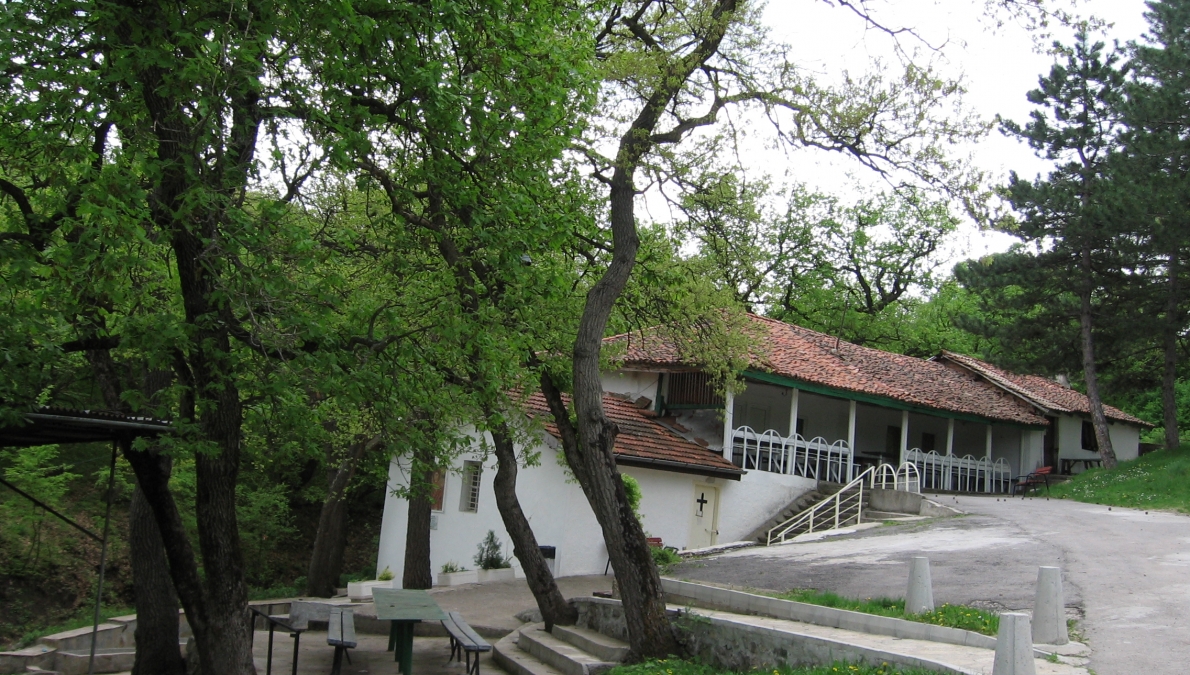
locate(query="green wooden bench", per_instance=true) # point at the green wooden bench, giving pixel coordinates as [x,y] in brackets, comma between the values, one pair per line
[340,634]
[464,642]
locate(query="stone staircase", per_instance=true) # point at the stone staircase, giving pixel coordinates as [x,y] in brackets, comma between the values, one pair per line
[821,493]
[567,650]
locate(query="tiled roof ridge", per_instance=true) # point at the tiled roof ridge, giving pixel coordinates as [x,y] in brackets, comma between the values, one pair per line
[650,440]
[997,376]
[1001,378]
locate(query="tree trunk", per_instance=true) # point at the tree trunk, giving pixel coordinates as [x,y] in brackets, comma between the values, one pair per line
[326,561]
[1169,378]
[157,648]
[555,610]
[157,651]
[1098,419]
[417,572]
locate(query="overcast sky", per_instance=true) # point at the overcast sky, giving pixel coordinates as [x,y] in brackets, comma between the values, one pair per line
[998,65]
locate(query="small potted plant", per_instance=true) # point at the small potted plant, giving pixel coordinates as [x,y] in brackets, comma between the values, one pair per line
[452,574]
[490,560]
[361,591]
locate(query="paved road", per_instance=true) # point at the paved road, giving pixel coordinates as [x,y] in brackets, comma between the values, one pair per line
[1127,573]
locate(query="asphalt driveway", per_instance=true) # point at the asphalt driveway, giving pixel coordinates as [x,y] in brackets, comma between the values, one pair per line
[1126,572]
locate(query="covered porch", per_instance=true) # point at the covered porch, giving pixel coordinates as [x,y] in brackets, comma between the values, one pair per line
[834,435]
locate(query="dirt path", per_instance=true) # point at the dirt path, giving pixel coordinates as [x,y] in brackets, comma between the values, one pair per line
[1125,571]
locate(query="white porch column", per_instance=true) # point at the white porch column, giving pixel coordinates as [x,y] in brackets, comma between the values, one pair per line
[949,448]
[904,437]
[728,427]
[851,438]
[987,476]
[851,426]
[793,395]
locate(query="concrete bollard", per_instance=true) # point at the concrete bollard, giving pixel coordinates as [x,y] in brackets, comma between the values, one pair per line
[1014,646]
[920,596]
[1049,609]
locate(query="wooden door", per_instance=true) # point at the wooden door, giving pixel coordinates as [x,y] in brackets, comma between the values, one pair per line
[704,525]
[1049,445]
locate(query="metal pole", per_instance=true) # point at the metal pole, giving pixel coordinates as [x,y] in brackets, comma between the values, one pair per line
[107,521]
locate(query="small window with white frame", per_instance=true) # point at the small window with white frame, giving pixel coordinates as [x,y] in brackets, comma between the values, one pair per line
[469,501]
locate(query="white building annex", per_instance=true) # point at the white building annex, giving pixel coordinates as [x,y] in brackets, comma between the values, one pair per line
[814,408]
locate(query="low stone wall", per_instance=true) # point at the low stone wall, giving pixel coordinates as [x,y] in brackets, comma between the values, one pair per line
[740,602]
[895,501]
[731,645]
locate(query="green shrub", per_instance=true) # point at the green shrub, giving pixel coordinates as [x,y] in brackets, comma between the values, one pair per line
[385,575]
[664,556]
[450,567]
[490,556]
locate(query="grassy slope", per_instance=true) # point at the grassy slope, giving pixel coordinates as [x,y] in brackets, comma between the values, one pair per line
[1159,480]
[676,667]
[952,616]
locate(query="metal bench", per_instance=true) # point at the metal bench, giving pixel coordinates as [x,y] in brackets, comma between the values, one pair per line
[464,641]
[340,634]
[1032,481]
[293,628]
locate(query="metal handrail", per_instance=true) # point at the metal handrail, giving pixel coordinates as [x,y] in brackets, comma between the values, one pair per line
[841,502]
[792,455]
[965,474]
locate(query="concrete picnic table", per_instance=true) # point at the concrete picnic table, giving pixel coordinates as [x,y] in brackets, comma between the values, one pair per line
[403,608]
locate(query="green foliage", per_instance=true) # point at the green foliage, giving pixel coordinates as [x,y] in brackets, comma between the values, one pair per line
[490,555]
[23,534]
[1157,480]
[664,557]
[450,567]
[680,667]
[633,492]
[385,575]
[951,616]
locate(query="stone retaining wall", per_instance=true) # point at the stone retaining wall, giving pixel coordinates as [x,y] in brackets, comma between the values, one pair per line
[740,602]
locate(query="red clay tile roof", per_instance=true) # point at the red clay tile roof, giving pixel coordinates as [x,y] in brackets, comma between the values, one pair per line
[809,356]
[644,441]
[1043,392]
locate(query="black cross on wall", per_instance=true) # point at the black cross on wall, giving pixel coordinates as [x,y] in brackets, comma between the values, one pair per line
[701,501]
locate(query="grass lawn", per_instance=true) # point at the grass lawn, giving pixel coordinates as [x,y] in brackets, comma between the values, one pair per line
[677,667]
[952,616]
[1159,480]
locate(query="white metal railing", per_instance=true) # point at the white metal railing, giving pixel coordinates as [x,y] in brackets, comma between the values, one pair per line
[961,474]
[905,478]
[845,507]
[772,452]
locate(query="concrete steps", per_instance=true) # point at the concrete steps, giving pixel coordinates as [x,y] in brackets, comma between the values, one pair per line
[107,660]
[569,650]
[597,644]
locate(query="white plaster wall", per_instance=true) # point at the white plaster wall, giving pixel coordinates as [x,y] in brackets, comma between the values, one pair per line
[1032,449]
[927,424]
[1007,445]
[871,427]
[560,515]
[825,416]
[970,438]
[1125,440]
[666,502]
[775,399]
[746,504]
[557,511]
[631,382]
[1070,438]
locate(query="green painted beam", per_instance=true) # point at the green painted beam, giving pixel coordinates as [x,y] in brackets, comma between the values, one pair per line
[882,401]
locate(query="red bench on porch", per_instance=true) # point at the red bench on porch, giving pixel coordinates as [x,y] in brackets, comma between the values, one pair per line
[1033,481]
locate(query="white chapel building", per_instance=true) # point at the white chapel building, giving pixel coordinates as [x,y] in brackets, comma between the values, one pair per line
[713,469]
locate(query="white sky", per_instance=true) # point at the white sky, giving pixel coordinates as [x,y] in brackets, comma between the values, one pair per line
[998,66]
